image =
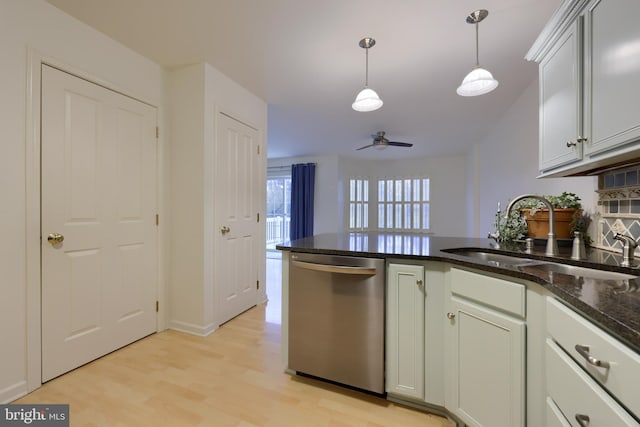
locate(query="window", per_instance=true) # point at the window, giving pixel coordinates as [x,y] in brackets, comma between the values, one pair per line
[358,204]
[278,210]
[402,204]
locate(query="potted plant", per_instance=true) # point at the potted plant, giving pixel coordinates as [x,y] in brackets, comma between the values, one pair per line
[568,214]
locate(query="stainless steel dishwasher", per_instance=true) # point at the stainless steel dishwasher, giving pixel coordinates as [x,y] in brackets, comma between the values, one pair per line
[336,319]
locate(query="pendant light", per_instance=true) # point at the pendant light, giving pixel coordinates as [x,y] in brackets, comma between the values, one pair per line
[479,81]
[367,99]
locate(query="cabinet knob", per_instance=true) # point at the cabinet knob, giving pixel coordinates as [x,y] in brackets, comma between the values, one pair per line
[451,316]
[583,420]
[419,283]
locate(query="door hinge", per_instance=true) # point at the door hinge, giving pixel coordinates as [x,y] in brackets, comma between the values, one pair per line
[157,306]
[258,217]
[257,284]
[157,219]
[157,132]
[258,149]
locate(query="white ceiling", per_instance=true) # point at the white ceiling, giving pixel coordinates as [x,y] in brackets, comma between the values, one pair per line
[303,58]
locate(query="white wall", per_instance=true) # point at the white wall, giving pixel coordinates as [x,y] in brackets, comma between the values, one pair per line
[37,25]
[447,180]
[197,94]
[505,164]
[329,191]
[448,209]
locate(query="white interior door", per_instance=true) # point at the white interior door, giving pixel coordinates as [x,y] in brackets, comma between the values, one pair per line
[99,192]
[238,201]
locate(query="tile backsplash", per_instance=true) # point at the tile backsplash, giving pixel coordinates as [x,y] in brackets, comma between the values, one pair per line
[618,208]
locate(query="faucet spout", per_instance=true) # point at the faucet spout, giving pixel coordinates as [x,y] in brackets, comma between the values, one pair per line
[552,242]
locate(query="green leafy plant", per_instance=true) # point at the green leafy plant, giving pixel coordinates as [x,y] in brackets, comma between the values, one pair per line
[513,227]
[563,201]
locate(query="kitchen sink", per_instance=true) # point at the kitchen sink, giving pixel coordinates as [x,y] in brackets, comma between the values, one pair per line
[532,266]
[494,258]
[574,270]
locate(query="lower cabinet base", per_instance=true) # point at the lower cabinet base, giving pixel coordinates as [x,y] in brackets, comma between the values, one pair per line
[433,409]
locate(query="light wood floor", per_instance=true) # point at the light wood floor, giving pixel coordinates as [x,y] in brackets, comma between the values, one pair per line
[233,377]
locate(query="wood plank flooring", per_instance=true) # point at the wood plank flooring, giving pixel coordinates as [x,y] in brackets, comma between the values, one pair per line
[234,377]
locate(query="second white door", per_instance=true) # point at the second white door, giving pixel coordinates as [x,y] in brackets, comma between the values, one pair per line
[238,199]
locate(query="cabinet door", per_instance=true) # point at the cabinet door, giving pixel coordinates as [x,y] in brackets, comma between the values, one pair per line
[405,330]
[486,367]
[612,73]
[560,102]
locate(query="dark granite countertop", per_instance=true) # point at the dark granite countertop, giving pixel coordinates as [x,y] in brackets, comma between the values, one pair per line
[614,305]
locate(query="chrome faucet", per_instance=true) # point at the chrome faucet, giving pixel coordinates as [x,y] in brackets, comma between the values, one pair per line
[629,245]
[552,243]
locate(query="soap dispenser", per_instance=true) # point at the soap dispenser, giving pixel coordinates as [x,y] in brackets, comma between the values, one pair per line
[578,251]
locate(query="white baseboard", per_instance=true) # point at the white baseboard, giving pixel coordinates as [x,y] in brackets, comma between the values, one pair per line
[13,392]
[190,328]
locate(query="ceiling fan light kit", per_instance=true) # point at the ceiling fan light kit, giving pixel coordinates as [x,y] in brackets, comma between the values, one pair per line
[367,99]
[479,81]
[380,142]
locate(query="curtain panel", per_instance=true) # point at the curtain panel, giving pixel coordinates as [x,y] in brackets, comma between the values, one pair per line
[302,194]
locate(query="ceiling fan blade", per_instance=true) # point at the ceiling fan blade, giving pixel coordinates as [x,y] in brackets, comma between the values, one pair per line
[366,146]
[400,144]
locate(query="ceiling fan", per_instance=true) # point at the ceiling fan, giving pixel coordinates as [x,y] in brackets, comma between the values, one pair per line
[380,142]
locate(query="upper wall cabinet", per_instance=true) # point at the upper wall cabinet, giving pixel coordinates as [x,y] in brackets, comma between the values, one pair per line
[589,59]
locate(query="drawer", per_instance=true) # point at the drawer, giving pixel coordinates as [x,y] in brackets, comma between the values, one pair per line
[577,395]
[621,377]
[555,417]
[490,291]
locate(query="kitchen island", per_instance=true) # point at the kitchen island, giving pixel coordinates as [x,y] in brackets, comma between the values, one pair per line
[464,293]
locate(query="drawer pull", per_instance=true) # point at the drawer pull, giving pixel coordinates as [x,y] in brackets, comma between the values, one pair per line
[583,420]
[583,350]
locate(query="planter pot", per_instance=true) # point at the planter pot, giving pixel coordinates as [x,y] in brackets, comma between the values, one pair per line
[538,223]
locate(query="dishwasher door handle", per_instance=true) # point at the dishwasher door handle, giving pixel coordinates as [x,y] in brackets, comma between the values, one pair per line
[340,269]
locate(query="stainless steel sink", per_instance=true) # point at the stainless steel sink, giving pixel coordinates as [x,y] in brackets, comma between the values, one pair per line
[574,270]
[494,258]
[529,265]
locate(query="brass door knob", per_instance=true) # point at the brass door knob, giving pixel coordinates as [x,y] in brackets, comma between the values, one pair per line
[55,238]
[224,229]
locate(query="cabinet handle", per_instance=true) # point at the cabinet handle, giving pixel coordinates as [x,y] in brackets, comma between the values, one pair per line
[582,419]
[451,316]
[583,350]
[419,283]
[578,140]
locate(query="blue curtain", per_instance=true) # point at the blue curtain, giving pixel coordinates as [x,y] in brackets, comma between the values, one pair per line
[302,189]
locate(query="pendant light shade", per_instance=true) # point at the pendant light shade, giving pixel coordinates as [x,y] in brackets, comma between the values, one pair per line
[479,81]
[367,99]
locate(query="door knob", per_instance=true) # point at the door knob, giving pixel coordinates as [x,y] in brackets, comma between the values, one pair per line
[55,238]
[224,229]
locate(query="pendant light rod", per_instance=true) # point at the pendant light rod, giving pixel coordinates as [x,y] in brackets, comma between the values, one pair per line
[476,17]
[366,43]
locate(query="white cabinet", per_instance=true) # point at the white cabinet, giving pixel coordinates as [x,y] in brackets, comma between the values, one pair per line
[589,80]
[561,102]
[612,73]
[485,344]
[405,331]
[601,362]
[578,397]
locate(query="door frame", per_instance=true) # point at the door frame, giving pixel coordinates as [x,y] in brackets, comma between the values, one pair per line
[35,60]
